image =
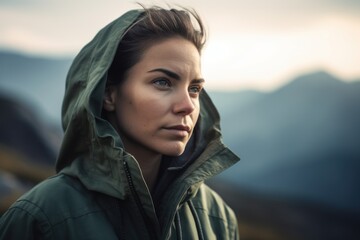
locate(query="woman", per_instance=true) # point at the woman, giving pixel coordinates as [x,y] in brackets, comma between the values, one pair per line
[140,138]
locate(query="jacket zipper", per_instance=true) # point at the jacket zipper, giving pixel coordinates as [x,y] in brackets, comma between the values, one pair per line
[138,202]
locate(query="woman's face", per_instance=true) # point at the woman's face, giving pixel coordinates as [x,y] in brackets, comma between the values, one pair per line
[157,105]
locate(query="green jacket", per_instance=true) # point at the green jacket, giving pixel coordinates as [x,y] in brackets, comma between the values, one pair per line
[99,191]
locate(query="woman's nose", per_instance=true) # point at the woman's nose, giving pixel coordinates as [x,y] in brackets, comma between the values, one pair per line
[184,104]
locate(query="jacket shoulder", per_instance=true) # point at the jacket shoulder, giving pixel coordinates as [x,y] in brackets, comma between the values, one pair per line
[49,204]
[60,197]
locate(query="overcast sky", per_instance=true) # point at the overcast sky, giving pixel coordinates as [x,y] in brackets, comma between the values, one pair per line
[252,44]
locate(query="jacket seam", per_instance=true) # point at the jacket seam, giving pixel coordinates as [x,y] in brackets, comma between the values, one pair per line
[46,216]
[46,220]
[75,217]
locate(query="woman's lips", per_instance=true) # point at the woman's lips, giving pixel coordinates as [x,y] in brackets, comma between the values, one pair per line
[179,130]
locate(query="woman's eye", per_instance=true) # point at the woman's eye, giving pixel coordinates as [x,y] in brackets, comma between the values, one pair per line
[195,89]
[162,83]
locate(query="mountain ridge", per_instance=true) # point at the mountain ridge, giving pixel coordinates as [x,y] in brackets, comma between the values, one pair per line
[311,125]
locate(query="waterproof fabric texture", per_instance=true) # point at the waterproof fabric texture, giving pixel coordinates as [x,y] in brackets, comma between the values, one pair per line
[99,191]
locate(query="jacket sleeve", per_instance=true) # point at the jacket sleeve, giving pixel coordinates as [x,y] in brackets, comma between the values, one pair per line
[18,223]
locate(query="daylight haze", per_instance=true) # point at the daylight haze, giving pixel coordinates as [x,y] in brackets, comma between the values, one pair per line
[255,44]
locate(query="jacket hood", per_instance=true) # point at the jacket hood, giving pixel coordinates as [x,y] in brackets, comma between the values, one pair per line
[91,149]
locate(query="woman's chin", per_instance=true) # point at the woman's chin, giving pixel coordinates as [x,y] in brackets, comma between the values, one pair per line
[174,150]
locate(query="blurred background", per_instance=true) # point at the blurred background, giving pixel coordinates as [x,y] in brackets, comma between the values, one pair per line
[285,76]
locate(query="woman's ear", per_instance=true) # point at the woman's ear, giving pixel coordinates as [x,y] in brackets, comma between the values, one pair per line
[109,98]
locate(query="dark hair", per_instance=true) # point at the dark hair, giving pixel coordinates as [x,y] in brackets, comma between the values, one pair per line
[155,24]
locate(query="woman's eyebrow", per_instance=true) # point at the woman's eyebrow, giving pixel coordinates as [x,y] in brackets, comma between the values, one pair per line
[167,72]
[175,75]
[198,80]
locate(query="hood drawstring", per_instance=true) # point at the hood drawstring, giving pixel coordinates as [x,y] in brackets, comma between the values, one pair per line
[178,226]
[197,221]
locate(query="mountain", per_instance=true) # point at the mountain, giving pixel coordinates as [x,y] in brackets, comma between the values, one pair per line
[28,149]
[300,141]
[20,125]
[38,81]
[226,101]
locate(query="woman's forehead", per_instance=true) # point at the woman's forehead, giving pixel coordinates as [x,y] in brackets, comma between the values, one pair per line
[177,54]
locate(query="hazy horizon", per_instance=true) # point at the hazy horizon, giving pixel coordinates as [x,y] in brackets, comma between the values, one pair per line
[252,45]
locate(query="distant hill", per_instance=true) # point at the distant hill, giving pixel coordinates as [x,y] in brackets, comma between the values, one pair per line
[28,149]
[24,131]
[37,80]
[301,140]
